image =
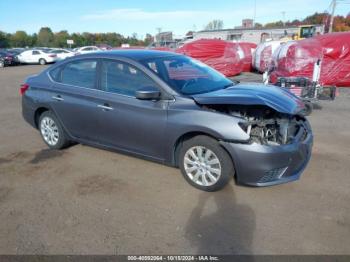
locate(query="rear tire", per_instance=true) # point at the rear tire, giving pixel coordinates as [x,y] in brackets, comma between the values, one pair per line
[205,164]
[42,61]
[52,132]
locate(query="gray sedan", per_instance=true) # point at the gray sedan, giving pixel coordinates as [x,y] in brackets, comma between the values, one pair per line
[175,110]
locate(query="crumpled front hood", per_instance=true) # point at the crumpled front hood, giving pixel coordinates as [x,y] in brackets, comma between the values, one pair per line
[274,97]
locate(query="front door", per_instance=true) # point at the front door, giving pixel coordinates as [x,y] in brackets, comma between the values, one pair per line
[126,122]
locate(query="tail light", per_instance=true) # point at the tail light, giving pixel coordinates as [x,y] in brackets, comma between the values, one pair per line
[23,89]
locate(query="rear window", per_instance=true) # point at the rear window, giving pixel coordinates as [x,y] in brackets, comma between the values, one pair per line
[56,74]
[79,73]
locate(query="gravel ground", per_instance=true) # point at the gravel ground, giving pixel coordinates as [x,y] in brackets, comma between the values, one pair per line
[85,200]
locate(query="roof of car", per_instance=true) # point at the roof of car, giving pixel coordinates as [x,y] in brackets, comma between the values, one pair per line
[133,54]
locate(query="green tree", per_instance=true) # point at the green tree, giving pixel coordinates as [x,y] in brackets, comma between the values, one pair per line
[316,18]
[148,39]
[34,39]
[274,24]
[60,38]
[258,25]
[45,37]
[78,39]
[4,41]
[20,39]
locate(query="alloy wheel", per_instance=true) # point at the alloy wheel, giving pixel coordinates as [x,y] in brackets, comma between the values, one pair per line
[202,166]
[49,131]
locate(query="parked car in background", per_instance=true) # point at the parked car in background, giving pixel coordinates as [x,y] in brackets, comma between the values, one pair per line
[62,53]
[7,59]
[86,50]
[16,50]
[175,110]
[104,47]
[37,57]
[2,62]
[15,53]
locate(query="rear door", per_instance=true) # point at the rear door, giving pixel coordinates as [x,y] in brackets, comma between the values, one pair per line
[126,122]
[75,98]
[34,56]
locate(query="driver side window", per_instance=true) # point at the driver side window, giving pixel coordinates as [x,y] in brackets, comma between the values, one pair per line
[122,78]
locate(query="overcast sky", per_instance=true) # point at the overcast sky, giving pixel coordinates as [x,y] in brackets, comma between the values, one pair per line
[141,17]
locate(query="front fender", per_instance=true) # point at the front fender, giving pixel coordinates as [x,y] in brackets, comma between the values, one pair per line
[191,118]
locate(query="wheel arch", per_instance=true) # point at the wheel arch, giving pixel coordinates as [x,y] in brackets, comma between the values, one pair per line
[38,113]
[189,135]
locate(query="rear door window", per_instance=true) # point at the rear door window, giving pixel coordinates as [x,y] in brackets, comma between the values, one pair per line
[80,73]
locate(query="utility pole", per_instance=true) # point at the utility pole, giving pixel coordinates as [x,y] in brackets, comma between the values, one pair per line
[284,18]
[334,4]
[254,13]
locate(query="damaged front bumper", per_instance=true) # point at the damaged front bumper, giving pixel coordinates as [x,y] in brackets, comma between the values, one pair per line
[265,165]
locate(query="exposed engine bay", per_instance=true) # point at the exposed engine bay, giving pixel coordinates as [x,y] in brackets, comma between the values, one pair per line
[264,125]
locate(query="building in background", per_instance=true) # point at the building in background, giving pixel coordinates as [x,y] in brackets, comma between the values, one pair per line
[247,33]
[164,37]
[247,23]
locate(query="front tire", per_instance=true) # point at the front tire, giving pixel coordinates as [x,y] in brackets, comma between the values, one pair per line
[42,61]
[52,132]
[205,164]
[308,108]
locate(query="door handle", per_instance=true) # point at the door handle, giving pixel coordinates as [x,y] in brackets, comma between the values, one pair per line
[58,98]
[105,107]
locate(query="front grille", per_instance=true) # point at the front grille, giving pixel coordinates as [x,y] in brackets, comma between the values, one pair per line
[272,175]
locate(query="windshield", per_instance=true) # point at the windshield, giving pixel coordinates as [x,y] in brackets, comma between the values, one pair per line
[187,76]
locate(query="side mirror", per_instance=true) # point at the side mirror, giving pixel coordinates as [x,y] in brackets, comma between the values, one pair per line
[148,93]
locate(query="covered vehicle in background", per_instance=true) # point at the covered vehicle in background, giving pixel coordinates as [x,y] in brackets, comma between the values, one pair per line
[297,59]
[248,51]
[313,67]
[335,69]
[226,57]
[37,56]
[262,56]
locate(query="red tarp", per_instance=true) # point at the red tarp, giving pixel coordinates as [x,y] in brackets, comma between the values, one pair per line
[222,55]
[296,59]
[248,49]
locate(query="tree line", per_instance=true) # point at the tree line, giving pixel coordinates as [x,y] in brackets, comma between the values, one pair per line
[46,38]
[340,24]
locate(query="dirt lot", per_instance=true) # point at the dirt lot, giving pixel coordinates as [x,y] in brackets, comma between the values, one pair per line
[85,200]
